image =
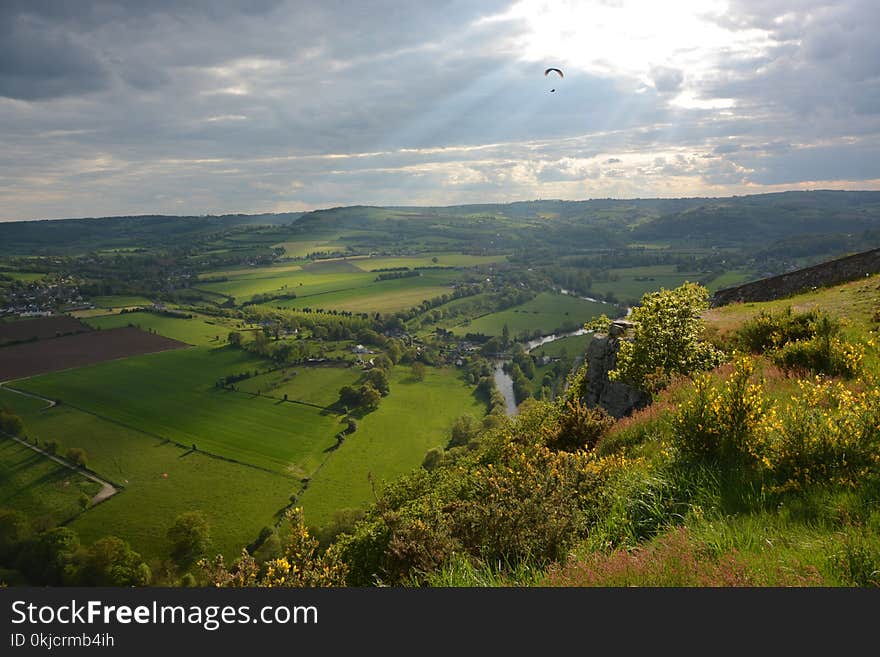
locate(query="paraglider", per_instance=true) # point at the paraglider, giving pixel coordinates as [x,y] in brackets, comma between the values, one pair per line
[551,70]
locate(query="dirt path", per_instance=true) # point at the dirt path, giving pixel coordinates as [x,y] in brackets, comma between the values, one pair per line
[107,489]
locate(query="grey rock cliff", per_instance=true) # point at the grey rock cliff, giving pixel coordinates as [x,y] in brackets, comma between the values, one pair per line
[619,399]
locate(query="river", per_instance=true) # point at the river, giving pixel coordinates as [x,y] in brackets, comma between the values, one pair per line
[502,379]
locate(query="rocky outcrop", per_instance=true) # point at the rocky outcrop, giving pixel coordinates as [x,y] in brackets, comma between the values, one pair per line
[619,399]
[828,273]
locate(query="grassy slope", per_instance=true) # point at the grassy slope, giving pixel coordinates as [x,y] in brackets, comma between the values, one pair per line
[801,541]
[415,417]
[237,500]
[172,395]
[45,491]
[313,385]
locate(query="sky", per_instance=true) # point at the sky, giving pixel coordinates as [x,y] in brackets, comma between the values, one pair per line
[193,107]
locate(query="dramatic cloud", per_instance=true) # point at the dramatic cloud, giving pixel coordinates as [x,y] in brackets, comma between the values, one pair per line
[212,106]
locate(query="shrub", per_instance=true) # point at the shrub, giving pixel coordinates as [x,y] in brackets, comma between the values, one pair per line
[723,424]
[301,565]
[77,456]
[578,427]
[667,339]
[827,433]
[768,331]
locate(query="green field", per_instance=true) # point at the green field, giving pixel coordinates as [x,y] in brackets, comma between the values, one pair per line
[729,279]
[19,404]
[545,313]
[237,500]
[201,331]
[301,282]
[45,491]
[334,275]
[427,260]
[121,301]
[312,385]
[23,276]
[631,283]
[172,395]
[379,296]
[301,249]
[571,346]
[392,440]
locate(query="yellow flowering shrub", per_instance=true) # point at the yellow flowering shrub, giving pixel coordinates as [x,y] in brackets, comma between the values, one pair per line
[827,433]
[301,565]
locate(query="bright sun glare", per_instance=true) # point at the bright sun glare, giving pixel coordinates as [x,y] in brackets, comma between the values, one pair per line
[632,39]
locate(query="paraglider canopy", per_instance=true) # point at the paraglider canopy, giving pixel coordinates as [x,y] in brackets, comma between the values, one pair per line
[552,70]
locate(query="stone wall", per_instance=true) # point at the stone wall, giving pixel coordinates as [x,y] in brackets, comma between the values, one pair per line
[619,399]
[832,272]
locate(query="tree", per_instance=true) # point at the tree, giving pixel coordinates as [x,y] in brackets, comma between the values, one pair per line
[190,538]
[349,397]
[77,456]
[234,338]
[369,397]
[378,380]
[395,351]
[382,362]
[433,458]
[505,337]
[110,561]
[464,429]
[11,424]
[14,527]
[667,339]
[419,370]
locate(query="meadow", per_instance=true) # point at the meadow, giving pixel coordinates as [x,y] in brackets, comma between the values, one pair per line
[121,301]
[413,418]
[199,330]
[172,395]
[237,500]
[546,313]
[45,491]
[338,275]
[380,296]
[311,385]
[630,283]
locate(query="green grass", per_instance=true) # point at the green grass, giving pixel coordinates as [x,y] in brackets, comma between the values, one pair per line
[335,275]
[45,491]
[392,440]
[172,395]
[23,276]
[237,500]
[573,345]
[196,331]
[20,404]
[121,301]
[313,385]
[298,281]
[633,282]
[427,260]
[545,313]
[301,249]
[728,279]
[379,296]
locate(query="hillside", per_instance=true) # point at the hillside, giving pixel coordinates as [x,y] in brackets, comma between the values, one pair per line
[764,471]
